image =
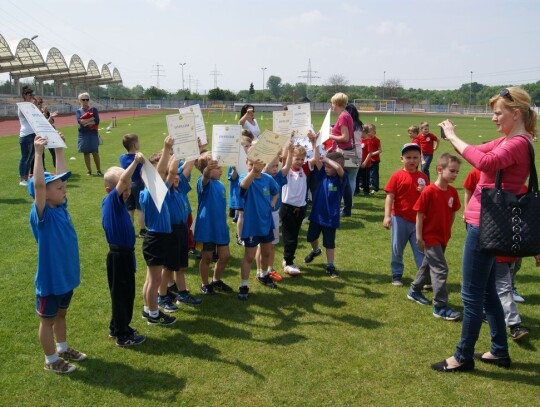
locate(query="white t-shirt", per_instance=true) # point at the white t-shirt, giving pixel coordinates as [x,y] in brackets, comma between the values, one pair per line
[253,128]
[25,126]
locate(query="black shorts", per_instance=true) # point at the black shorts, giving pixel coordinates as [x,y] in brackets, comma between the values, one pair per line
[177,253]
[253,241]
[211,246]
[155,247]
[133,202]
[328,233]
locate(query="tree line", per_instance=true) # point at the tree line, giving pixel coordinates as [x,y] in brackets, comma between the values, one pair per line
[468,93]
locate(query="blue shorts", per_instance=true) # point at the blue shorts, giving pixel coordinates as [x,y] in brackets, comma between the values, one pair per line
[211,247]
[47,307]
[328,234]
[253,241]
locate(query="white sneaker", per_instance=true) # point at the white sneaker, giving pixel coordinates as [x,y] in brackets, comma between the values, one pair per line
[292,270]
[23,183]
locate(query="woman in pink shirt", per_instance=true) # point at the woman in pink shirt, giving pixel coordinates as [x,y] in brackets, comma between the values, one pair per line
[516,121]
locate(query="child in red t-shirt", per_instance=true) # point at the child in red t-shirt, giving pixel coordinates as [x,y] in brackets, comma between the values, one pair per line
[362,178]
[436,210]
[506,269]
[402,192]
[374,154]
[428,143]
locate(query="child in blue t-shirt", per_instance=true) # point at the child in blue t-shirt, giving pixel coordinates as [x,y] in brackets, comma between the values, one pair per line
[156,241]
[280,176]
[211,230]
[177,254]
[58,266]
[324,217]
[260,193]
[235,200]
[121,264]
[131,144]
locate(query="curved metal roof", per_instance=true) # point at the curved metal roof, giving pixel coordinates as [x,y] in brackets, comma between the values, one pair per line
[5,51]
[55,63]
[76,69]
[27,55]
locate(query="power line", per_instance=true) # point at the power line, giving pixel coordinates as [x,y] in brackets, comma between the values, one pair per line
[215,73]
[158,73]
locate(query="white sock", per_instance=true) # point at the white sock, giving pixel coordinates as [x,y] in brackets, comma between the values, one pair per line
[244,283]
[154,314]
[61,347]
[146,309]
[270,268]
[51,358]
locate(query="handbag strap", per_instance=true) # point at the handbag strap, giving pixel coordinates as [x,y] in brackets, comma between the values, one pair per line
[533,176]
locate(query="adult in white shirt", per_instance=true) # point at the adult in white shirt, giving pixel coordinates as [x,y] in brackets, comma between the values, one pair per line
[248,121]
[26,139]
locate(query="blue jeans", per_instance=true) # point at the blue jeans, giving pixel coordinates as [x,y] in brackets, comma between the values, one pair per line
[374,175]
[479,293]
[27,150]
[348,189]
[427,162]
[403,231]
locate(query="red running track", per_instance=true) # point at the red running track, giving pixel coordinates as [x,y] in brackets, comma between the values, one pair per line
[11,127]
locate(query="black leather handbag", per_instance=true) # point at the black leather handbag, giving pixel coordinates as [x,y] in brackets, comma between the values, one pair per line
[509,223]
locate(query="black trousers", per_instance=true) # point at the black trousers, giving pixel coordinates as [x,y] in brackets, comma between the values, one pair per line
[291,221]
[121,277]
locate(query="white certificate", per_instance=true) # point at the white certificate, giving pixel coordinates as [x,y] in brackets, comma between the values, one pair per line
[41,125]
[267,146]
[282,120]
[226,144]
[324,133]
[154,183]
[301,119]
[199,121]
[182,129]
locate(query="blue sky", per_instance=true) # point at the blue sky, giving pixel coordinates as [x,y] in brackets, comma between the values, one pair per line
[431,44]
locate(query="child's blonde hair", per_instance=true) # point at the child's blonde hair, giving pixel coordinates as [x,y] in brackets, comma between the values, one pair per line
[414,129]
[112,176]
[445,159]
[299,151]
[424,124]
[371,127]
[202,162]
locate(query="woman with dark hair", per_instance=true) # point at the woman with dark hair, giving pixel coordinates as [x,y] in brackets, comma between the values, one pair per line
[516,121]
[26,139]
[88,140]
[248,121]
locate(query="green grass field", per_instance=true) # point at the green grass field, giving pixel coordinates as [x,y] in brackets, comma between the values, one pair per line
[355,340]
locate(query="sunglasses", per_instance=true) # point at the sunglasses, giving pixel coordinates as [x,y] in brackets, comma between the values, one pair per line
[505,93]
[85,100]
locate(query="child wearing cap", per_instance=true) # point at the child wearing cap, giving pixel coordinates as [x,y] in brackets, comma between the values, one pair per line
[402,192]
[57,275]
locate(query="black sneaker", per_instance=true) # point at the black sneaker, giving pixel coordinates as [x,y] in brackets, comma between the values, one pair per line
[132,340]
[173,289]
[207,289]
[145,315]
[243,293]
[518,332]
[221,286]
[142,232]
[130,329]
[331,271]
[161,319]
[266,281]
[312,254]
[165,303]
[187,299]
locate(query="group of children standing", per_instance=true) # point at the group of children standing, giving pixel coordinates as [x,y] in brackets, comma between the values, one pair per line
[415,211]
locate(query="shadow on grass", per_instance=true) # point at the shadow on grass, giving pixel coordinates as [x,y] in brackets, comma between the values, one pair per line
[183,345]
[526,373]
[15,201]
[144,384]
